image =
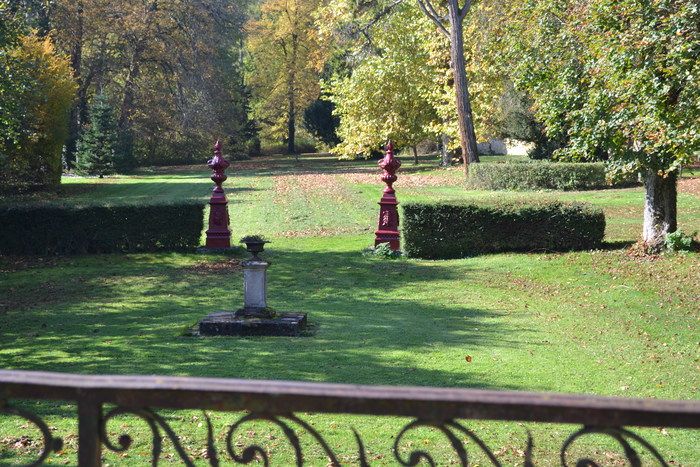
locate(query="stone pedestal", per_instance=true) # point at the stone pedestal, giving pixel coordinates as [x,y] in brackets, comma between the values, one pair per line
[255,318]
[255,290]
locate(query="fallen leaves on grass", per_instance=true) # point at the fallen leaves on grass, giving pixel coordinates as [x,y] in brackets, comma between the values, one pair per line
[324,232]
[405,181]
[208,267]
[19,263]
[689,185]
[639,252]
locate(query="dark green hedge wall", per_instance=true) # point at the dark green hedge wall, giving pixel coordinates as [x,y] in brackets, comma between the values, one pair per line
[456,230]
[42,230]
[541,175]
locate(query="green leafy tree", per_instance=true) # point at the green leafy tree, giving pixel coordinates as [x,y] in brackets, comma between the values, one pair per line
[449,16]
[620,79]
[99,141]
[14,80]
[385,97]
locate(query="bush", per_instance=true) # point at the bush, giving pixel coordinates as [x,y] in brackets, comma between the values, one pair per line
[382,251]
[679,241]
[455,230]
[100,229]
[34,114]
[541,175]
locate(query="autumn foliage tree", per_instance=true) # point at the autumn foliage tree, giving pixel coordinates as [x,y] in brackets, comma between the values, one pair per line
[34,110]
[399,63]
[286,59]
[173,69]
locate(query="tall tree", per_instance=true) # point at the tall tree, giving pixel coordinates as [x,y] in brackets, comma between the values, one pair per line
[287,59]
[451,25]
[171,67]
[386,96]
[97,147]
[621,79]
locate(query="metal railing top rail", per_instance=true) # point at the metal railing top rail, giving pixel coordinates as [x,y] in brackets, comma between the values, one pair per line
[171,392]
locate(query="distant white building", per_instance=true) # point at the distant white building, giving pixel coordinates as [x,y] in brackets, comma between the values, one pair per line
[499,147]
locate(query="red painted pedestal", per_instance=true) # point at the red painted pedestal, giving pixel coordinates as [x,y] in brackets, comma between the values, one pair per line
[389,213]
[219,234]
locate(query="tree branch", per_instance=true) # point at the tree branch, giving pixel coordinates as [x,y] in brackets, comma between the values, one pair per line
[381,15]
[465,9]
[430,12]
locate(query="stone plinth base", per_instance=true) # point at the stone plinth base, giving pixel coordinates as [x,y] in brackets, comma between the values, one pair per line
[226,323]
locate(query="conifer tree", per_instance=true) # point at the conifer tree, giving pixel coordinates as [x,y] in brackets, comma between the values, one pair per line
[97,147]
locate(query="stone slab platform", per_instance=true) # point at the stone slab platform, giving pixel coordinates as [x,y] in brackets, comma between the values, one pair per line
[225,323]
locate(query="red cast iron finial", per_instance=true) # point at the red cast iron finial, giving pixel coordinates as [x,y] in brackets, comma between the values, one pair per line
[388,231]
[219,233]
[390,165]
[218,165]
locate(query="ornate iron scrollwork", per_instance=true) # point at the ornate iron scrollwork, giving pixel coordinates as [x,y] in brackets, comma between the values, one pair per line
[50,444]
[448,428]
[250,453]
[620,435]
[290,423]
[155,423]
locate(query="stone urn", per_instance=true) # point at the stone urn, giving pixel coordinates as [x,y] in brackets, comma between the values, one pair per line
[254,244]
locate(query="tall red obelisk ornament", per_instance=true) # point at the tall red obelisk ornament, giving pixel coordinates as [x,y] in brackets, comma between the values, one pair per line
[219,234]
[389,213]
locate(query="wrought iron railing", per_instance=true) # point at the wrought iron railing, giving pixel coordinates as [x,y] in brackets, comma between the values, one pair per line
[278,402]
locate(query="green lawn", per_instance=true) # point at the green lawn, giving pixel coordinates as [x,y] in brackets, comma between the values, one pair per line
[596,322]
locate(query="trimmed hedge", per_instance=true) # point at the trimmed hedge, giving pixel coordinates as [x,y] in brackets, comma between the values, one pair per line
[43,230]
[455,230]
[540,175]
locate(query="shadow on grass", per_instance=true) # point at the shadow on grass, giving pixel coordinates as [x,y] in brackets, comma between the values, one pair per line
[124,315]
[124,193]
[617,245]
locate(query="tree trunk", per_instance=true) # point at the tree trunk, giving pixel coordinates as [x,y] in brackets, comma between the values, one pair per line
[291,97]
[467,135]
[127,107]
[129,97]
[446,159]
[78,110]
[291,128]
[660,209]
[415,154]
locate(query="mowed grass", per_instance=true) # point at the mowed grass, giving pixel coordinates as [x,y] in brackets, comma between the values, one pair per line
[598,322]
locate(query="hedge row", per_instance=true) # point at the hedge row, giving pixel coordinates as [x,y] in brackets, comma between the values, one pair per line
[456,230]
[541,175]
[100,229]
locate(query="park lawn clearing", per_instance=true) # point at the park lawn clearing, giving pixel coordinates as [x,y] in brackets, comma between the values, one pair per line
[602,322]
